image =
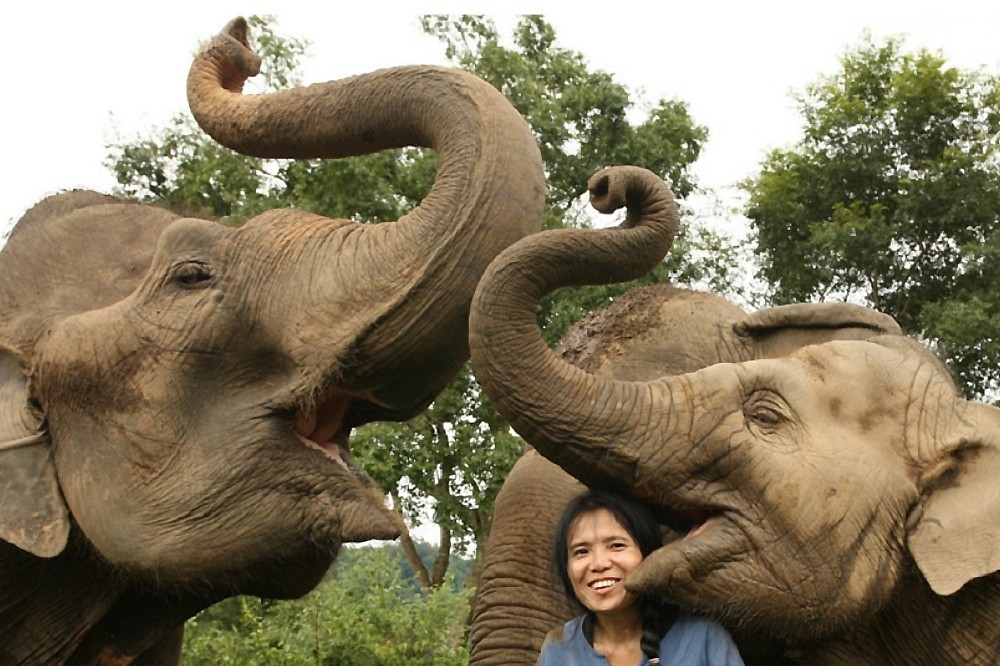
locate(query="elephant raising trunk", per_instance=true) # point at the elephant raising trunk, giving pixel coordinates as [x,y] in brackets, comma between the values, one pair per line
[177,395]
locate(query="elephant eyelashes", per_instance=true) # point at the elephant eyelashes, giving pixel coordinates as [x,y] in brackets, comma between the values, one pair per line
[193,275]
[764,411]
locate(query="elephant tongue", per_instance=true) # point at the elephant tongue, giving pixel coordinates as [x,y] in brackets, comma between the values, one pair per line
[321,428]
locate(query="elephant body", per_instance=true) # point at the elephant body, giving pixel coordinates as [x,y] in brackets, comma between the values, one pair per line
[176,395]
[648,332]
[836,502]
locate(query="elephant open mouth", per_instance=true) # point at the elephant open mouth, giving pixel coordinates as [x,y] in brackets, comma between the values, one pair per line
[321,425]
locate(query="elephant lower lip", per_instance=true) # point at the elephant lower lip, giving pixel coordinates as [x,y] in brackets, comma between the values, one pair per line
[331,450]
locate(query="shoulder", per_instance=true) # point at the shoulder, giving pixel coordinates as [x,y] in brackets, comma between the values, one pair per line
[703,641]
[562,643]
[566,633]
[698,625]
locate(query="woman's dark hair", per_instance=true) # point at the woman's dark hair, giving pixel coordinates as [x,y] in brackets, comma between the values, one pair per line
[641,524]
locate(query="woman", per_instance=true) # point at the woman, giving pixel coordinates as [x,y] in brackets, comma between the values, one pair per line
[601,537]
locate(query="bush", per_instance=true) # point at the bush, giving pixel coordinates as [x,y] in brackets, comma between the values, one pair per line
[365,614]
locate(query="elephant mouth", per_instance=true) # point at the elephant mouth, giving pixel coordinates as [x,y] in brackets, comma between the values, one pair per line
[681,521]
[321,425]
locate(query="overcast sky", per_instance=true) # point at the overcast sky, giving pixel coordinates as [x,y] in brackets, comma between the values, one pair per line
[78,73]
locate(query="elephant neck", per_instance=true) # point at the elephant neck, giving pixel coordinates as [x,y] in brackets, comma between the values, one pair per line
[74,608]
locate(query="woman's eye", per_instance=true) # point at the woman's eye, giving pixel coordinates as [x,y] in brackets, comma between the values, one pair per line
[193,275]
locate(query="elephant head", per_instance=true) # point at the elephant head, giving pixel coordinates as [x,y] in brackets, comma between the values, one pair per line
[176,395]
[839,499]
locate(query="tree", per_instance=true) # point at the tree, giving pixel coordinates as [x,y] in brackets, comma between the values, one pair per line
[891,198]
[450,461]
[580,117]
[447,463]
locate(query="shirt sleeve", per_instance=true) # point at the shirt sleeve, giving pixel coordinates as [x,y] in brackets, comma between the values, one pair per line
[720,649]
[698,640]
[549,654]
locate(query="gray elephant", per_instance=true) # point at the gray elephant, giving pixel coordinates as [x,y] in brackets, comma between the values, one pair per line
[839,500]
[647,333]
[176,395]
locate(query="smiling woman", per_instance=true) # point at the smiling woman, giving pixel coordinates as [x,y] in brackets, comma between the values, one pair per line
[602,537]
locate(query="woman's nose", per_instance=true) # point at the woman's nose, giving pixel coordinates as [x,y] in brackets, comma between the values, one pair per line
[600,560]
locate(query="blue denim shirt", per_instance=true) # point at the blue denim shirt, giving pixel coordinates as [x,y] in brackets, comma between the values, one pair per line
[691,641]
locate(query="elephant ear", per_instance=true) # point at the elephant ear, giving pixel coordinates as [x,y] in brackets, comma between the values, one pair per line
[787,327]
[70,253]
[955,536]
[33,515]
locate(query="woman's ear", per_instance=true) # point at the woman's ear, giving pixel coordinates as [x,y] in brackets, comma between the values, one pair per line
[33,514]
[955,535]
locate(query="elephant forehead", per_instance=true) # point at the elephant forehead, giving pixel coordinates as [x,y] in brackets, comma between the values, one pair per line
[850,369]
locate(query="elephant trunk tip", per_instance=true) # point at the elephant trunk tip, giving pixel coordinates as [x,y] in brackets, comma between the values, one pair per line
[643,193]
[231,55]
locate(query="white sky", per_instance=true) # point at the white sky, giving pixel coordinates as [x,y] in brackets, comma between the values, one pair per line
[79,72]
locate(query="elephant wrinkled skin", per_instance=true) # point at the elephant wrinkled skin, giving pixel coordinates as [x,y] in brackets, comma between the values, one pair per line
[839,500]
[176,395]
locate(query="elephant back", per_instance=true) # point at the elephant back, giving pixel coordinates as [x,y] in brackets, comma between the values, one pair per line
[651,331]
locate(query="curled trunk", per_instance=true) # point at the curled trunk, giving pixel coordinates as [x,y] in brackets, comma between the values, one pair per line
[569,415]
[488,193]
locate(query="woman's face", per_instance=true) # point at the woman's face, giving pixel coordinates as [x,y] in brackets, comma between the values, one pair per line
[601,554]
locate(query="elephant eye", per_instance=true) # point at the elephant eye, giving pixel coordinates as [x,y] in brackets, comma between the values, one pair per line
[765,417]
[765,411]
[193,275]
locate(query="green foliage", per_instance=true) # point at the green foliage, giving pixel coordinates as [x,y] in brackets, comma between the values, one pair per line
[368,188]
[891,198]
[583,121]
[365,614]
[184,170]
[448,462]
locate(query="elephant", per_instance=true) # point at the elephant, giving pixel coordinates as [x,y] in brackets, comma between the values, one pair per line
[839,499]
[646,333]
[176,395]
